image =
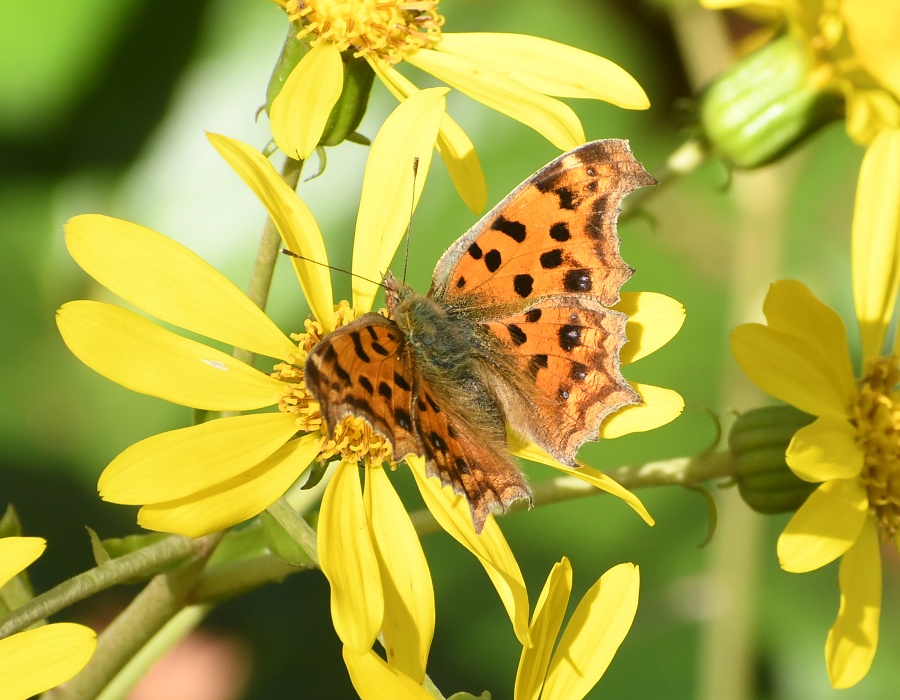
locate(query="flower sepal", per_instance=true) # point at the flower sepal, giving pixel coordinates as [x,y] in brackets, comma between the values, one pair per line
[766,105]
[758,440]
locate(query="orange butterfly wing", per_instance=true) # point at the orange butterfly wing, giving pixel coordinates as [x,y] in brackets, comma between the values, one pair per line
[537,272]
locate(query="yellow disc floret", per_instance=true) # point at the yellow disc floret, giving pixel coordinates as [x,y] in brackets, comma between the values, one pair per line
[353,439]
[876,414]
[388,30]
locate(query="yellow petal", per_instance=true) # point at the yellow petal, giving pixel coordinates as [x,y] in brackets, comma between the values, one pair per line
[408,625]
[348,560]
[17,553]
[594,633]
[182,462]
[868,112]
[872,27]
[660,406]
[548,617]
[853,638]
[39,659]
[136,353]
[790,369]
[530,451]
[551,118]
[653,320]
[237,499]
[168,281]
[824,527]
[876,240]
[490,547]
[300,110]
[387,193]
[825,449]
[549,67]
[373,679]
[453,146]
[791,308]
[293,220]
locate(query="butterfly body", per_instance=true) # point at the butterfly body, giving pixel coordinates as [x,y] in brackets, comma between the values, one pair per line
[514,329]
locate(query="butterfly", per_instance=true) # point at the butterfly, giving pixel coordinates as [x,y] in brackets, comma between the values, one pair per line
[516,328]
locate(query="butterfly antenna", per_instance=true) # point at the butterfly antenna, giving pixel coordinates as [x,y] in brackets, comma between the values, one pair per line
[412,208]
[292,254]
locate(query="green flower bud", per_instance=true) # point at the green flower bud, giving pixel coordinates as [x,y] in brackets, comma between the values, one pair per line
[766,104]
[351,106]
[758,440]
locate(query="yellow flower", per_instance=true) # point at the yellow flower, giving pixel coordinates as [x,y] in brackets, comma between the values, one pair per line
[853,51]
[594,633]
[590,640]
[853,447]
[43,657]
[517,75]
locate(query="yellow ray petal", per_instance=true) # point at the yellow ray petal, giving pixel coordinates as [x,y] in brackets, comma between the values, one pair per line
[136,353]
[791,369]
[824,527]
[39,659]
[348,560]
[528,450]
[490,547]
[876,240]
[300,111]
[551,118]
[182,462]
[545,623]
[373,679]
[237,499]
[387,193]
[853,638]
[17,553]
[549,67]
[594,633]
[167,280]
[872,28]
[653,320]
[792,309]
[825,449]
[293,220]
[661,406]
[453,146]
[408,625]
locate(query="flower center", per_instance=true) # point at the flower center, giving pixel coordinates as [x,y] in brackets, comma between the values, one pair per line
[389,30]
[876,414]
[353,439]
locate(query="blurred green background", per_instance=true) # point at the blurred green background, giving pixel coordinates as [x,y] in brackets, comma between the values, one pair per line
[103,106]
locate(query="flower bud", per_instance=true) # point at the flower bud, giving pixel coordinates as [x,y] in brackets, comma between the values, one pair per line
[758,440]
[766,104]
[351,106]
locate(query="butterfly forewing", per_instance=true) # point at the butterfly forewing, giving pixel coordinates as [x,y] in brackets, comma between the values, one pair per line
[554,234]
[364,369]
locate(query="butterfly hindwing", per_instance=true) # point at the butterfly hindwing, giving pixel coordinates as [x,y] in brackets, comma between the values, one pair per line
[364,369]
[461,457]
[568,348]
[554,234]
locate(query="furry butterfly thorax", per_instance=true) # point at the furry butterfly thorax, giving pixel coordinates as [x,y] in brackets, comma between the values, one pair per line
[516,328]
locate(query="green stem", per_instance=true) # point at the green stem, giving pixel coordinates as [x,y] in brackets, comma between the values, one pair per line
[682,471]
[161,600]
[296,527]
[137,565]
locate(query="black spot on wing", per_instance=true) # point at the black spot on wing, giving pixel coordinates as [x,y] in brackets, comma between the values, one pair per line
[475,251]
[578,281]
[533,315]
[578,372]
[380,349]
[366,384]
[493,260]
[358,348]
[551,259]
[523,285]
[560,232]
[569,337]
[385,391]
[401,382]
[403,419]
[516,334]
[536,363]
[567,198]
[513,229]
